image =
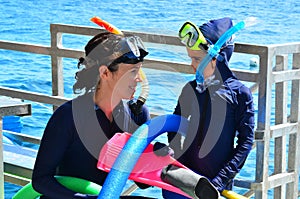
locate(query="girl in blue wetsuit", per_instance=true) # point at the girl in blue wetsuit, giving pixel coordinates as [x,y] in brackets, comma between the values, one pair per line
[79,128]
[221,114]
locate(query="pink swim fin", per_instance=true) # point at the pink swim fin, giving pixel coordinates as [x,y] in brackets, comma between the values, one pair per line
[148,168]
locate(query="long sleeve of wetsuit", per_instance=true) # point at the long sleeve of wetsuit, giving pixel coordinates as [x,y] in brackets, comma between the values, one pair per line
[183,109]
[54,143]
[245,128]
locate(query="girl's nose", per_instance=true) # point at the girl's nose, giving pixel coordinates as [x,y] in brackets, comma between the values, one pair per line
[194,66]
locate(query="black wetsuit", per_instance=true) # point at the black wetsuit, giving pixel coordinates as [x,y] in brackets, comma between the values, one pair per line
[72,141]
[221,129]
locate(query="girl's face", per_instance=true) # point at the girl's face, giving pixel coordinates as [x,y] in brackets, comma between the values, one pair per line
[197,56]
[124,81]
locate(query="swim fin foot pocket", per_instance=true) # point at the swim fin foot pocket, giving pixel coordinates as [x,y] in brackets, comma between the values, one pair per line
[204,189]
[189,182]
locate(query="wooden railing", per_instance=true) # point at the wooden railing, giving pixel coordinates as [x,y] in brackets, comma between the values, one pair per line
[274,69]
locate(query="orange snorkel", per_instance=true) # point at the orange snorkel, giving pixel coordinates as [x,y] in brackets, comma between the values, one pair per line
[109,27]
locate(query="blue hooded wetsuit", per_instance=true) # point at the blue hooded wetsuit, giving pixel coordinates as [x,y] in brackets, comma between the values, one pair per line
[219,115]
[72,140]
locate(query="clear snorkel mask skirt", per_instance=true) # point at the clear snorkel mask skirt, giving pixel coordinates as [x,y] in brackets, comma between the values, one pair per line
[131,50]
[191,36]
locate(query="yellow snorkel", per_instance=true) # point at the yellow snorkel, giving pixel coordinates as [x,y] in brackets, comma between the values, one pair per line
[232,195]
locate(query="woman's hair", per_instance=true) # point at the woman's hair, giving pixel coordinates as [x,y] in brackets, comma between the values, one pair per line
[98,51]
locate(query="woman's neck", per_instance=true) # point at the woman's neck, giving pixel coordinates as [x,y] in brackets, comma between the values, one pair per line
[106,103]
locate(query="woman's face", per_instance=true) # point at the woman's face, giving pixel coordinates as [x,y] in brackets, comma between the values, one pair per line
[197,56]
[124,81]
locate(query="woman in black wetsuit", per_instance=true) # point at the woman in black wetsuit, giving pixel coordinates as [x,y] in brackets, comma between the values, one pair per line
[78,129]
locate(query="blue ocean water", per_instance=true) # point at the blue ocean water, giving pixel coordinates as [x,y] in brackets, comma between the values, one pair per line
[28,21]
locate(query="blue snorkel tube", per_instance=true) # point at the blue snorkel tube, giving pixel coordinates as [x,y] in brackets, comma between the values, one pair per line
[137,143]
[213,51]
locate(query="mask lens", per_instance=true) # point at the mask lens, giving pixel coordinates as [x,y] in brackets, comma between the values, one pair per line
[132,49]
[191,36]
[188,35]
[140,44]
[133,46]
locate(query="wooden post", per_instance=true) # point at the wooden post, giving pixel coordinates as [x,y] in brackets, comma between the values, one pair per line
[263,123]
[57,64]
[280,118]
[293,159]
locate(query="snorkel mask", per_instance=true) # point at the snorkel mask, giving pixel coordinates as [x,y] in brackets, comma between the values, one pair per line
[191,36]
[132,50]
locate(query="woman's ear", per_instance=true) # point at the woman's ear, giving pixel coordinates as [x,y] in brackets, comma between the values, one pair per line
[103,71]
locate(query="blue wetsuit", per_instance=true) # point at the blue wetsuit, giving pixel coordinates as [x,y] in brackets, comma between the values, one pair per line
[218,116]
[72,141]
